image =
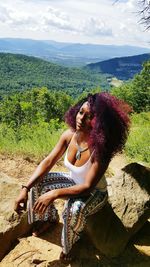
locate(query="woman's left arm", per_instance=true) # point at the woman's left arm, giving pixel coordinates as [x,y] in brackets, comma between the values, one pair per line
[94,175]
[92,178]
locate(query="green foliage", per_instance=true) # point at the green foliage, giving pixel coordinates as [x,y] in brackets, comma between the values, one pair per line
[137,91]
[35,141]
[19,72]
[33,107]
[141,89]
[137,146]
[31,121]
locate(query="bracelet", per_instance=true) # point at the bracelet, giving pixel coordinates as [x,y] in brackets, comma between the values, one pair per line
[24,186]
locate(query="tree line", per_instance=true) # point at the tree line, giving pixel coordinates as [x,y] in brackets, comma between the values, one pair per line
[33,107]
[20,72]
[136,91]
[42,105]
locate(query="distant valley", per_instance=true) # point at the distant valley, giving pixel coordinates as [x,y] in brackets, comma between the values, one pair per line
[26,64]
[20,72]
[68,54]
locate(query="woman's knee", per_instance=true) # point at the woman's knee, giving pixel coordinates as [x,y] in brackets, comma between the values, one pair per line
[74,214]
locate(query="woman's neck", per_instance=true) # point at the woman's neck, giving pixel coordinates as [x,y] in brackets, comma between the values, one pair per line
[82,137]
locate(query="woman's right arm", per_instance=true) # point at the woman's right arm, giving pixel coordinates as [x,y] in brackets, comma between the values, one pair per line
[43,168]
[51,159]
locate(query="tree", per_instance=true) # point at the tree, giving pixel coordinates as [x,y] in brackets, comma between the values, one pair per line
[11,112]
[137,91]
[34,107]
[144,11]
[141,89]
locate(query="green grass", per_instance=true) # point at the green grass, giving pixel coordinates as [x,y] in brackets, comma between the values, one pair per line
[37,141]
[33,141]
[138,143]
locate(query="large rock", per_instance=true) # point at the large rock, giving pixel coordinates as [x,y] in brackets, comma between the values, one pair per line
[12,226]
[110,229]
[127,211]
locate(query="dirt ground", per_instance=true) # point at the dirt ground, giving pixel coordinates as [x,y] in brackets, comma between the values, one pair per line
[138,251]
[22,167]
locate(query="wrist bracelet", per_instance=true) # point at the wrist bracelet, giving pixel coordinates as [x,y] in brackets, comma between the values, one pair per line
[24,186]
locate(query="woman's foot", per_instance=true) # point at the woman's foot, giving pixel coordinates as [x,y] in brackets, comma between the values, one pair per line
[41,227]
[65,258]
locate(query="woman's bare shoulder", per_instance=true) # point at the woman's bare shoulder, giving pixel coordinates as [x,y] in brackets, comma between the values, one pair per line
[67,135]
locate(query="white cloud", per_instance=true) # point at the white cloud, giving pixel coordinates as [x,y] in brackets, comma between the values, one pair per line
[55,18]
[4,15]
[14,17]
[73,21]
[127,6]
[96,27]
[62,21]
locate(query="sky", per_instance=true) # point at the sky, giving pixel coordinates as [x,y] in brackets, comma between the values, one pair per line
[74,21]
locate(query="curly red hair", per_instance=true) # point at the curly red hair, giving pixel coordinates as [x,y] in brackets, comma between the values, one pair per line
[110,124]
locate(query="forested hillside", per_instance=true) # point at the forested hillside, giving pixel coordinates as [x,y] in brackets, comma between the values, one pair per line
[19,72]
[123,68]
[31,121]
[137,91]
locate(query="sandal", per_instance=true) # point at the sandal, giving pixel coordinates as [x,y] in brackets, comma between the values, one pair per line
[66,258]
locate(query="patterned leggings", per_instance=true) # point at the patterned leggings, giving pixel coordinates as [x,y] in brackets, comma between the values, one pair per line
[76,210]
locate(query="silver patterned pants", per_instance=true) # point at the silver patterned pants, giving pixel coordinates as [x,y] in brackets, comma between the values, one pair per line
[76,209]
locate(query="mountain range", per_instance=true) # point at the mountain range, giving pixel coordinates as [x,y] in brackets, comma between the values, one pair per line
[123,68]
[69,54]
[21,72]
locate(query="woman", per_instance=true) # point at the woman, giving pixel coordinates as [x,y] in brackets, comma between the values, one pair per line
[98,129]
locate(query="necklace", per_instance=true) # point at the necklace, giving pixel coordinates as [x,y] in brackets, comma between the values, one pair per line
[80,150]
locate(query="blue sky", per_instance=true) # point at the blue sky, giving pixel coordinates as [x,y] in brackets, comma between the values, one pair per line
[78,21]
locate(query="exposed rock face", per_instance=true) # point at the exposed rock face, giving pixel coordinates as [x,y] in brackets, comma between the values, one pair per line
[11,225]
[110,229]
[127,211]
[131,196]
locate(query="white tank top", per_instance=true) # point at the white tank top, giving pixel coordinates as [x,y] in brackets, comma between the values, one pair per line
[78,173]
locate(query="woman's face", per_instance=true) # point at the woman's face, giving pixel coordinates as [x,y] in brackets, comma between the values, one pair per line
[83,118]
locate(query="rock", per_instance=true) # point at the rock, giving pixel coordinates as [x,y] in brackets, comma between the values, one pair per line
[47,248]
[33,251]
[131,196]
[12,226]
[127,211]
[110,229]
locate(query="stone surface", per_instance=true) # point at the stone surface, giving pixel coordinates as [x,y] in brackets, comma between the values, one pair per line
[11,225]
[44,252]
[127,211]
[130,196]
[110,229]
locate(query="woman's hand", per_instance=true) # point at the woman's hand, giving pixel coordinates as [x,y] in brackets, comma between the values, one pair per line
[43,201]
[21,201]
